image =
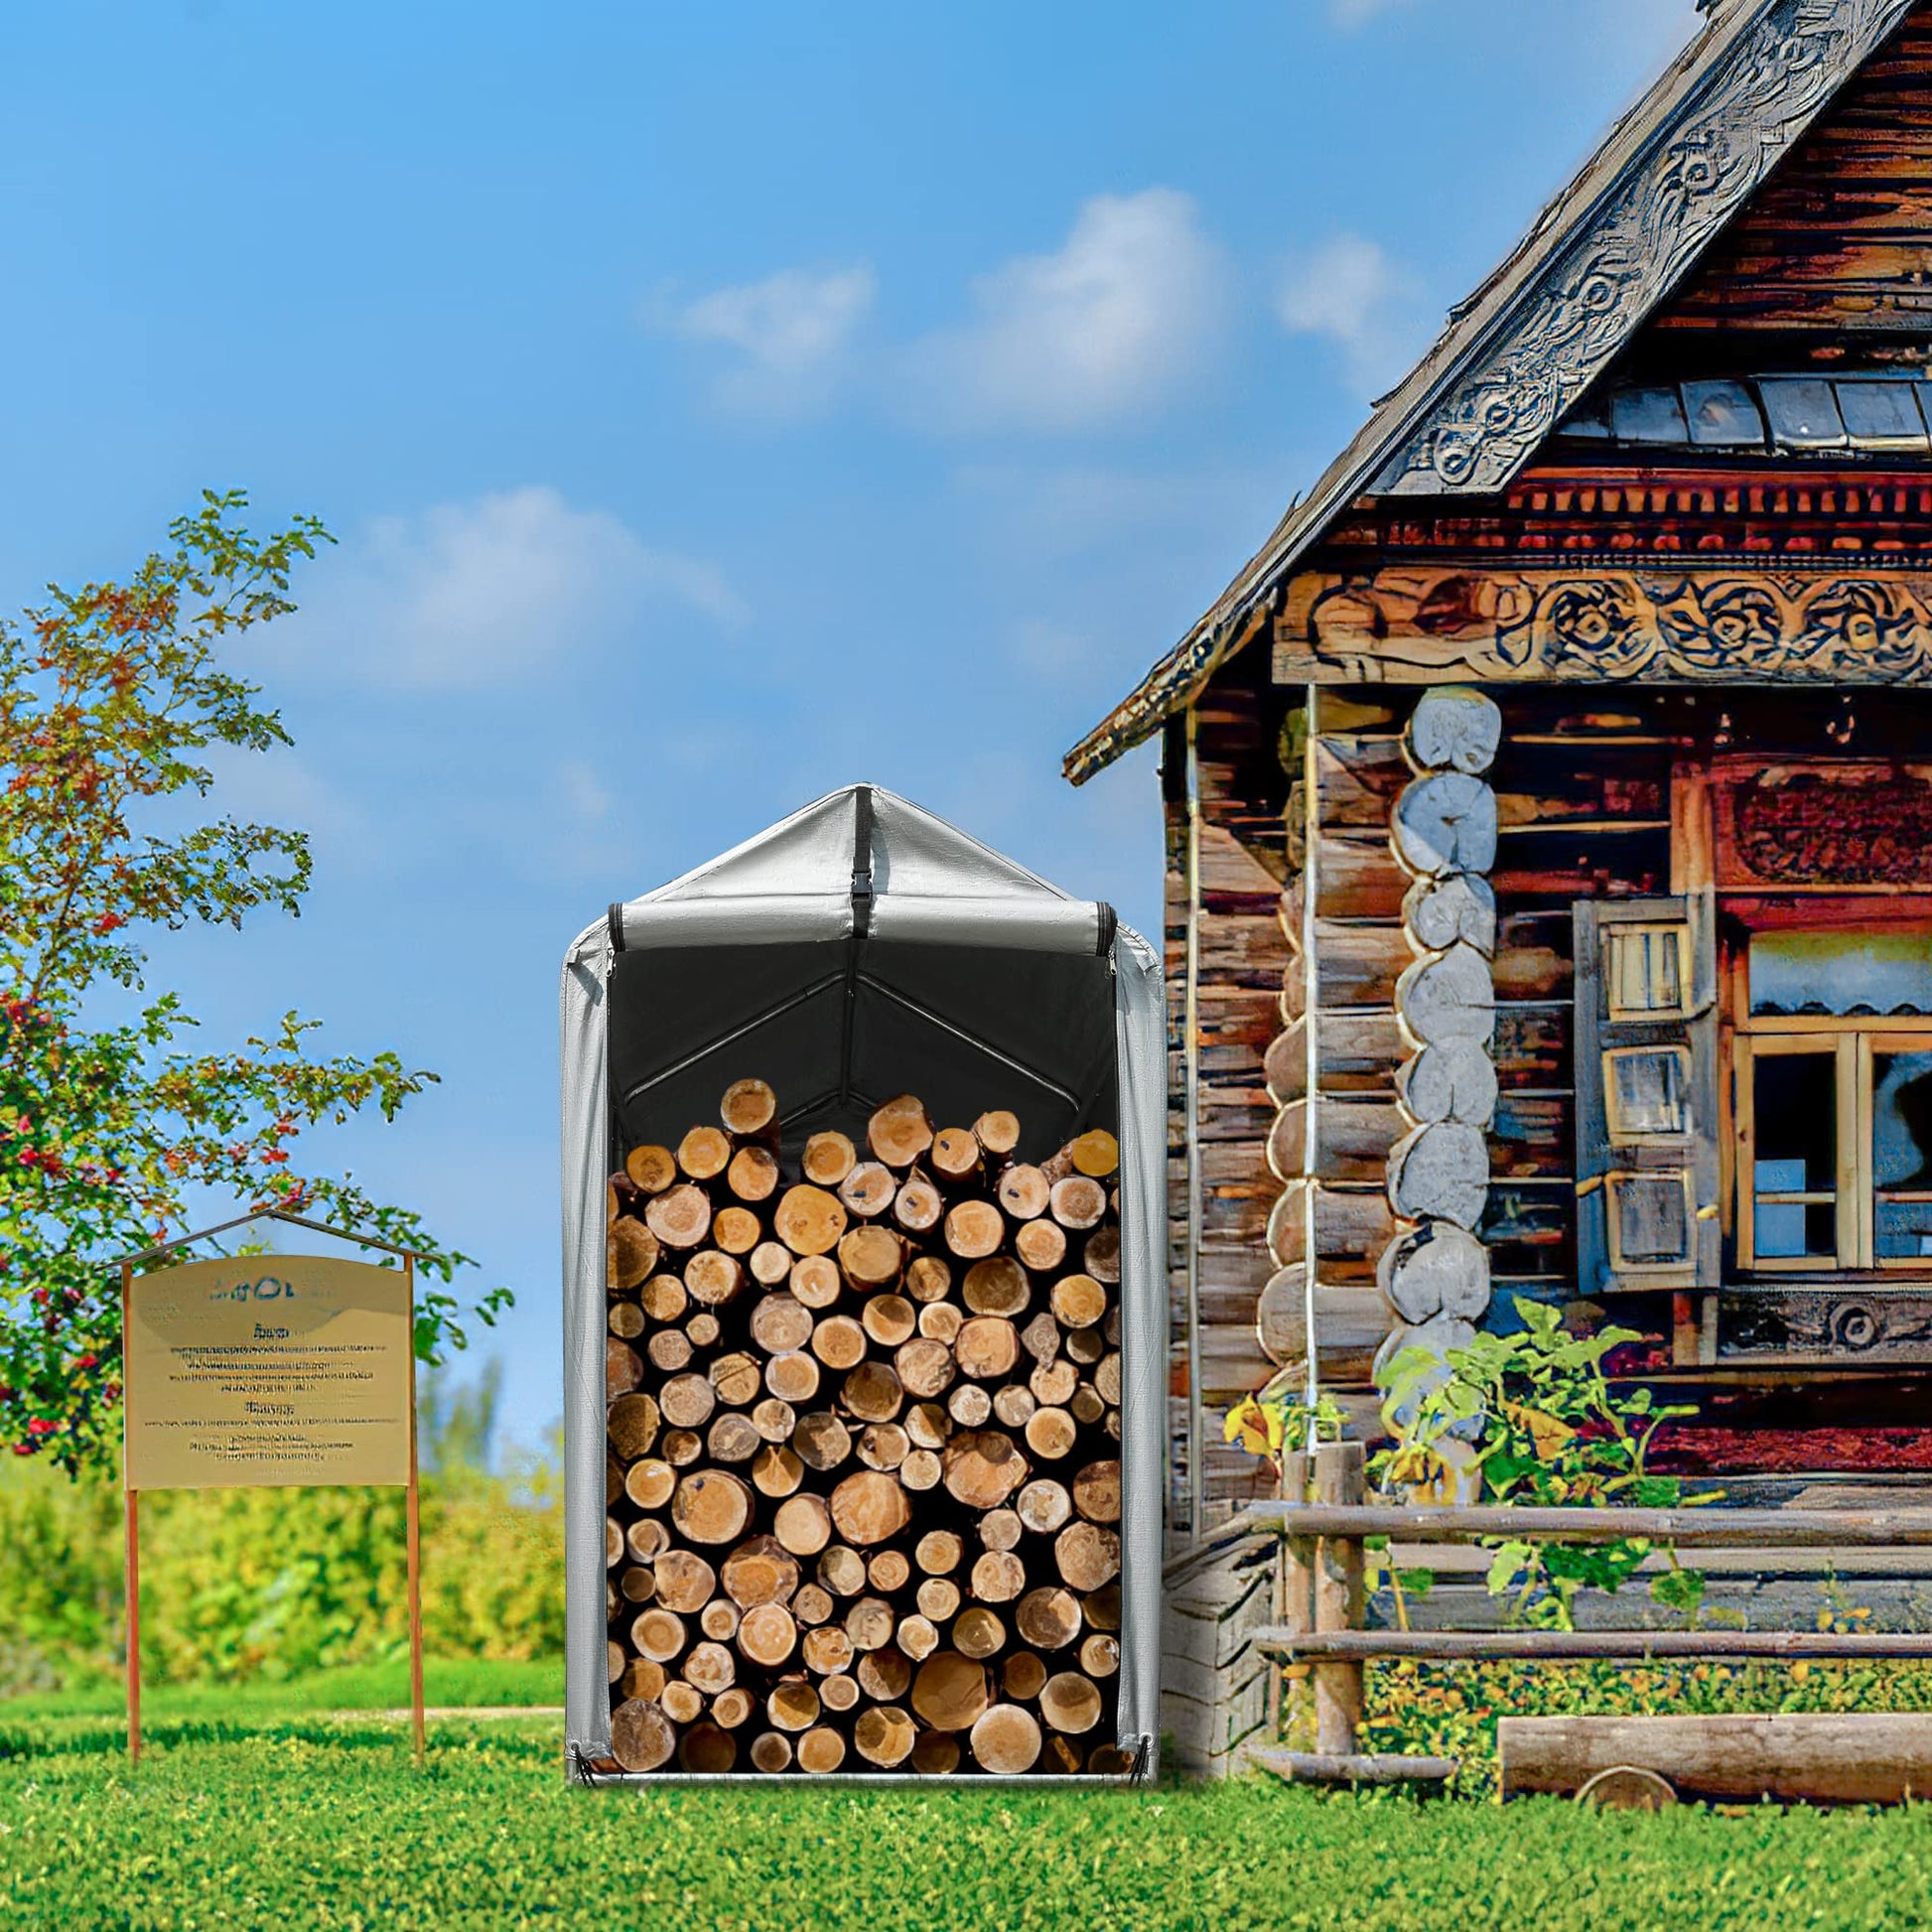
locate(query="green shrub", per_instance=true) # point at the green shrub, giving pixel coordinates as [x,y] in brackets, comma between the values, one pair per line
[1530,1418]
[242,1582]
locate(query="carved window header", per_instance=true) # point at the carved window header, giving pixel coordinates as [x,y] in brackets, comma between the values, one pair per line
[1428,624]
[1809,826]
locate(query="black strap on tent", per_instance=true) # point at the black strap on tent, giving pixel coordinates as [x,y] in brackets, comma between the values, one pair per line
[861,866]
[615,917]
[1109,925]
[861,930]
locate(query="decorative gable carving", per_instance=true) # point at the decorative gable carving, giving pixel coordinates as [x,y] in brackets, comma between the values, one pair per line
[1665,208]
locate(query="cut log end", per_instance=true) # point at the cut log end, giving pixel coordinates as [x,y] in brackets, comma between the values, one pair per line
[749,1107]
[1006,1740]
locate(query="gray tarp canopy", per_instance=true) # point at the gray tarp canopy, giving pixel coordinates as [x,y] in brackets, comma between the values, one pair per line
[859,949]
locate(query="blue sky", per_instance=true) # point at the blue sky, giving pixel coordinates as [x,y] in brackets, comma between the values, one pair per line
[716,406]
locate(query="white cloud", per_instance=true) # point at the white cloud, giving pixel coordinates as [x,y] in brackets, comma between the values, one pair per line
[791,333]
[1349,290]
[1106,327]
[473,595]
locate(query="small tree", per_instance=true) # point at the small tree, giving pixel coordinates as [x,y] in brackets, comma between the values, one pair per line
[110,1126]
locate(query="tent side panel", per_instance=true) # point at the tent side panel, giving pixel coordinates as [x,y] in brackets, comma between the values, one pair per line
[585,1156]
[1141,1066]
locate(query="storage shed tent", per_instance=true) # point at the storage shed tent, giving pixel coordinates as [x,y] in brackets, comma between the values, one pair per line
[860,948]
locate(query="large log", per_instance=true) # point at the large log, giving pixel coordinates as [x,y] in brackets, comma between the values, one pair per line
[1456,905]
[1453,728]
[1449,996]
[1436,1268]
[642,1738]
[808,1220]
[680,1217]
[899,1132]
[951,1692]
[1440,1171]
[870,1507]
[1449,1079]
[1794,1758]
[1446,822]
[1006,1740]
[711,1507]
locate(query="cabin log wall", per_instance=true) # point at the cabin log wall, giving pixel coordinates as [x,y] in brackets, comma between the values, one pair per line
[1245,959]
[1582,789]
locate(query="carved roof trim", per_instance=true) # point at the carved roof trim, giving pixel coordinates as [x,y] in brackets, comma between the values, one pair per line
[1521,350]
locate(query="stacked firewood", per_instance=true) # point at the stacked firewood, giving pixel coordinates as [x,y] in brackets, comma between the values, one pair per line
[864,1478]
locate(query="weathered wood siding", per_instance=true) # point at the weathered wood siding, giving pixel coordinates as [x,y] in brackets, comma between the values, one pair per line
[1244,961]
[1214,1684]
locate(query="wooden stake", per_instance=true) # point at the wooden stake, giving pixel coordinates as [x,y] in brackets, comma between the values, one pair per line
[413,1517]
[1339,1477]
[1290,1702]
[134,1552]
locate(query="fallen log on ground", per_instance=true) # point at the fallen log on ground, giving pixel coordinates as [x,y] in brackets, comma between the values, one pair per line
[1791,1757]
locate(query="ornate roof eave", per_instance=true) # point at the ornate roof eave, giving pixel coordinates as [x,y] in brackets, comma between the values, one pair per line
[1518,355]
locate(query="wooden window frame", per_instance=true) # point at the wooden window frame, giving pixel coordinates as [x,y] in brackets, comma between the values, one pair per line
[1616,1132]
[1852,1040]
[1615,938]
[1623,1264]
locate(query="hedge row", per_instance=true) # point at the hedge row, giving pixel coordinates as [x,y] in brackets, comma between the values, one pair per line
[235,1583]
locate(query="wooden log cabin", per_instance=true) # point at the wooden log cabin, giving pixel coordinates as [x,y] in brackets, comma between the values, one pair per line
[1549,802]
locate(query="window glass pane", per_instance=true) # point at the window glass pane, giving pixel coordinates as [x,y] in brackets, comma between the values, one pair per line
[1881,415]
[1840,973]
[1795,1122]
[1803,413]
[1902,1155]
[1647,1092]
[1647,416]
[1645,969]
[1651,1219]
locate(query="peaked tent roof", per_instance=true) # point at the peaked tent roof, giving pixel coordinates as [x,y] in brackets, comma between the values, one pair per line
[1522,349]
[923,880]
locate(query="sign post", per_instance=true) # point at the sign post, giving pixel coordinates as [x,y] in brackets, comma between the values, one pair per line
[269,1371]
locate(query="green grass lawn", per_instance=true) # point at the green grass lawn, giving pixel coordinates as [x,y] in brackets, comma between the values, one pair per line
[256,1807]
[314,1823]
[366,1687]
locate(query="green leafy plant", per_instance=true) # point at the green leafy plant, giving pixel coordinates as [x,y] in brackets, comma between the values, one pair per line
[1277,1419]
[113,1128]
[1531,1419]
